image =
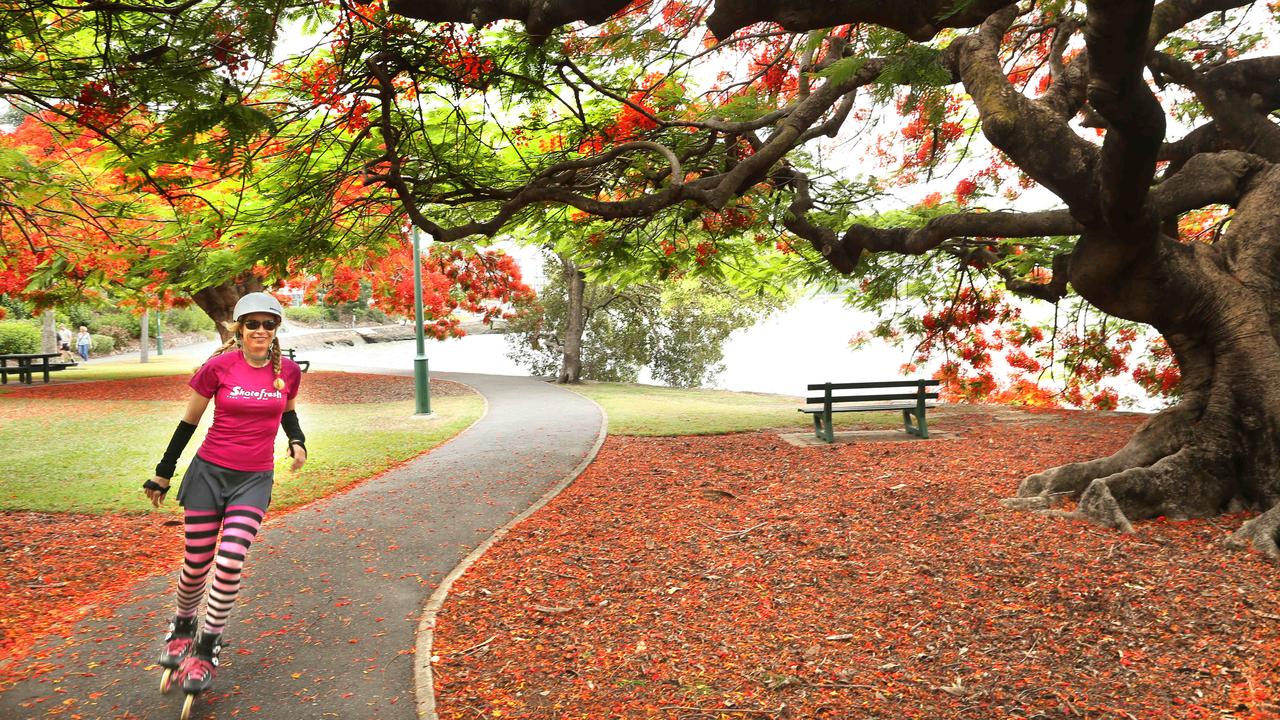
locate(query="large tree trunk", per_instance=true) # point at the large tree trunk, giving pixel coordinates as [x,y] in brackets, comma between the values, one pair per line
[575,323]
[1218,450]
[219,301]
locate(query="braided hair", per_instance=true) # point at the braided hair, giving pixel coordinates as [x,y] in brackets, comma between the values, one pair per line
[276,363]
[273,353]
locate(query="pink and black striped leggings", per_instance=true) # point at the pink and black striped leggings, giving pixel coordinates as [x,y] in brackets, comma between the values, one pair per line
[239,526]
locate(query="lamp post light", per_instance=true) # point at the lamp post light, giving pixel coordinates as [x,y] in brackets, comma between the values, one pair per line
[421,383]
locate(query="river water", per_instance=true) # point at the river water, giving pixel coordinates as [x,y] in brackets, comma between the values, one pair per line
[807,343]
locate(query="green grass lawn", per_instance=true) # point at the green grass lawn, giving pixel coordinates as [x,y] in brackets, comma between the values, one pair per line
[68,455]
[652,410]
[64,455]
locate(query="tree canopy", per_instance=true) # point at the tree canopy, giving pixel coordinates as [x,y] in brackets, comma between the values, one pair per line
[1137,118]
[1119,152]
[166,153]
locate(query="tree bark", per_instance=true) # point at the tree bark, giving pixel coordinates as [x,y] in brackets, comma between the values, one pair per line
[1218,450]
[144,337]
[48,332]
[219,301]
[575,322]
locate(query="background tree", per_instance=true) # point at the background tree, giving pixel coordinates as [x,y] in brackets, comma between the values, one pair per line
[676,329]
[485,283]
[77,224]
[642,285]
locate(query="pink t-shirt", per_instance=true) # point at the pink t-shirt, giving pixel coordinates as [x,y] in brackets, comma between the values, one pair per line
[246,410]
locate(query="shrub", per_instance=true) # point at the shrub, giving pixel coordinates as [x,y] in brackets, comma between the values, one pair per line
[101,344]
[19,337]
[73,316]
[188,319]
[308,315]
[119,336]
[16,309]
[116,322]
[370,316]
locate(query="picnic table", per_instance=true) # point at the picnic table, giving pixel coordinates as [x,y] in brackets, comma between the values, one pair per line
[26,365]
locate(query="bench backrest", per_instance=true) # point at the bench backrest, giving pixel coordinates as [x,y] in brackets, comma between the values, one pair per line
[827,389]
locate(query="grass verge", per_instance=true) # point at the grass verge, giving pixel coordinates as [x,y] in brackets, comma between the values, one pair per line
[65,455]
[653,410]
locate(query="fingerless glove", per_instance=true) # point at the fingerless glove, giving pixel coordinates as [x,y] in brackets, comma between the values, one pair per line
[293,431]
[181,436]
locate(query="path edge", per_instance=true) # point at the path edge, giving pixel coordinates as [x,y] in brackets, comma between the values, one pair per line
[423,677]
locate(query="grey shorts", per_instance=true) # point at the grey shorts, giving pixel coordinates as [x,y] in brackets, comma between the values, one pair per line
[206,486]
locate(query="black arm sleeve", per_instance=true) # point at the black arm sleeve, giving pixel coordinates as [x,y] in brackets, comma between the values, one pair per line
[181,436]
[292,430]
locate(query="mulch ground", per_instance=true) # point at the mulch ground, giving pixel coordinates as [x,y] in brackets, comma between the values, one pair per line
[53,565]
[322,388]
[739,576]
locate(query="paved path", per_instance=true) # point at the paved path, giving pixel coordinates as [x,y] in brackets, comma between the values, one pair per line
[333,592]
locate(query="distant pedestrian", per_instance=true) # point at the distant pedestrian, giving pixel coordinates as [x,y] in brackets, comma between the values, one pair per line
[64,341]
[83,341]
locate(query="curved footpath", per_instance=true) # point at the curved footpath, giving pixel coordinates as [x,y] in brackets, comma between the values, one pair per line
[334,592]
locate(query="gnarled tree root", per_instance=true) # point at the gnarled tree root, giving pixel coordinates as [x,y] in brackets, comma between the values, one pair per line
[1191,482]
[1262,532]
[1163,435]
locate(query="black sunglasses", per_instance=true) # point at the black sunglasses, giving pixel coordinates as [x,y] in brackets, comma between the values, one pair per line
[268,325]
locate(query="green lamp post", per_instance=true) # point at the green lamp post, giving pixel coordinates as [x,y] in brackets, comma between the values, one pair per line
[421,384]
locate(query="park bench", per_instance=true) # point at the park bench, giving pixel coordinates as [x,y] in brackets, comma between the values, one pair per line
[293,355]
[912,404]
[26,365]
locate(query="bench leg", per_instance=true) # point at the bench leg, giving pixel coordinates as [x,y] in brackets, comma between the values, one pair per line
[822,427]
[921,427]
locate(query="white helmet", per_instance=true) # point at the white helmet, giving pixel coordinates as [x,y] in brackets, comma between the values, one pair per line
[257,302]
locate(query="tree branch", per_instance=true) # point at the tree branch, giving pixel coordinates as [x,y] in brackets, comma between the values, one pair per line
[1034,134]
[539,17]
[1170,15]
[1238,96]
[920,20]
[1115,36]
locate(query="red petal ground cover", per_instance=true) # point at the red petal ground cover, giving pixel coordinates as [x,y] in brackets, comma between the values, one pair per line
[54,564]
[53,570]
[740,576]
[322,388]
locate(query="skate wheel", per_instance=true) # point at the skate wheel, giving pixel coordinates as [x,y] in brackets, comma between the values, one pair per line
[186,706]
[166,681]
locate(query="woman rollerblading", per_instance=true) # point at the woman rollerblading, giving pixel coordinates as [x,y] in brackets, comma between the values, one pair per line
[227,487]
